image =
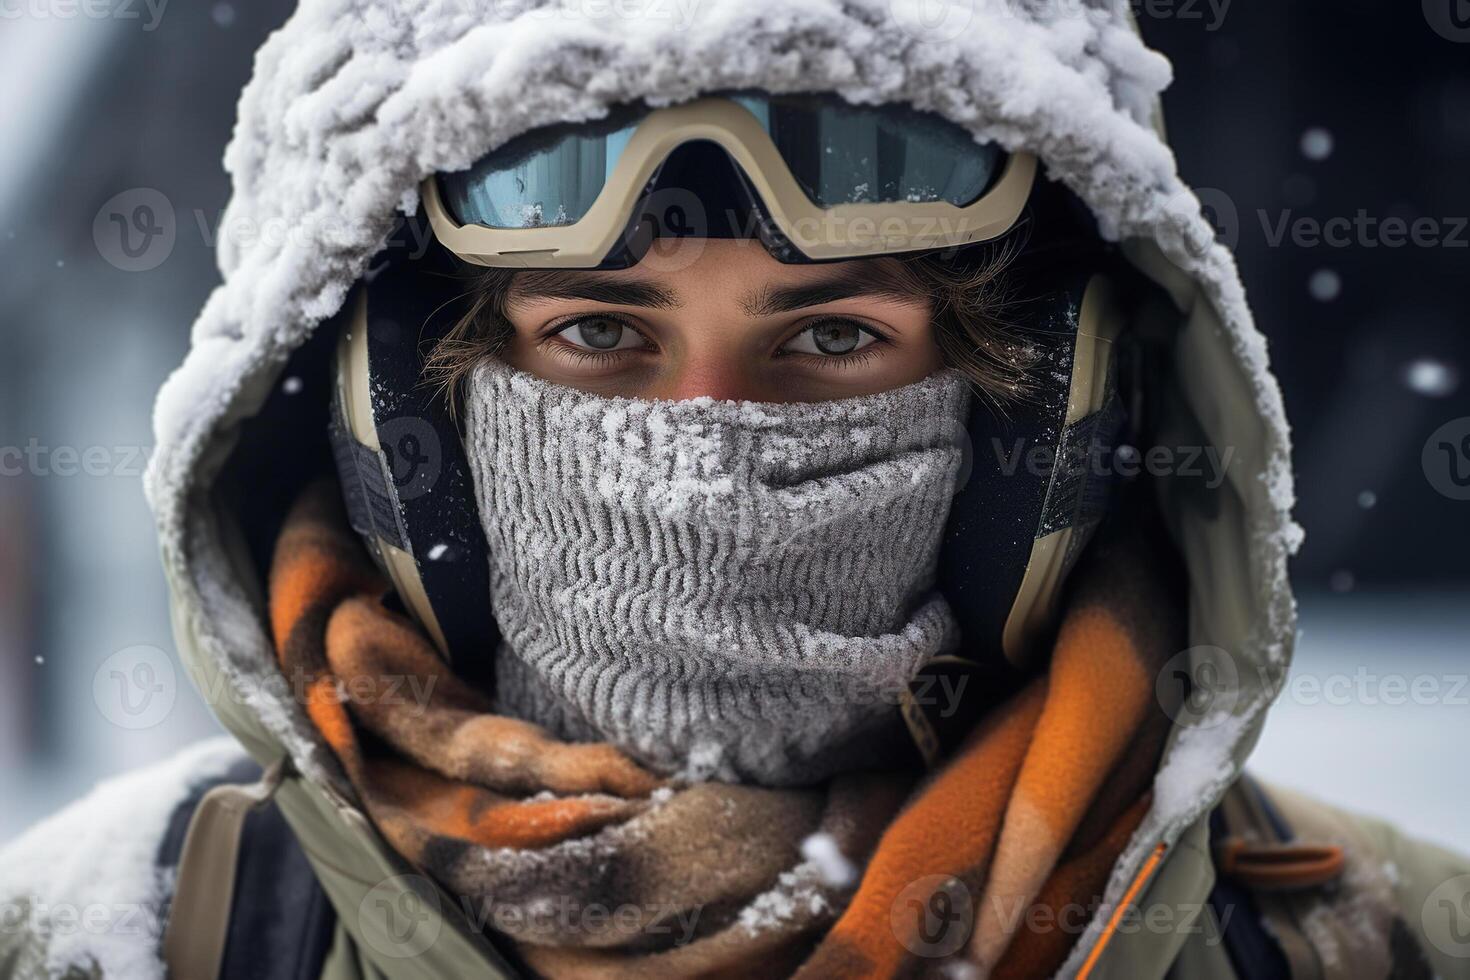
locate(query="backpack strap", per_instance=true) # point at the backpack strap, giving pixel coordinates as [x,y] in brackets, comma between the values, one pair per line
[246,904]
[1317,886]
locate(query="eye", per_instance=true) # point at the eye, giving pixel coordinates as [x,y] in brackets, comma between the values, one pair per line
[601,333]
[831,338]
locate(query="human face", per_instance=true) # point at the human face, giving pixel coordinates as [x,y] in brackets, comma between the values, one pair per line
[732,324]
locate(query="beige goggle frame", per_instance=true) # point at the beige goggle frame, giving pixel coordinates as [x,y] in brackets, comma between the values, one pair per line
[843,231]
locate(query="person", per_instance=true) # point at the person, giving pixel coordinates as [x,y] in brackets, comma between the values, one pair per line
[791,493]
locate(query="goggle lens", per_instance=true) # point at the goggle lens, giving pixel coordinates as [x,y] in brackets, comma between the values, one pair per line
[842,153]
[544,179]
[837,152]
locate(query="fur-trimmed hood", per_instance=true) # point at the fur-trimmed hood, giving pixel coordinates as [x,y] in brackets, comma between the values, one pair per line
[354,102]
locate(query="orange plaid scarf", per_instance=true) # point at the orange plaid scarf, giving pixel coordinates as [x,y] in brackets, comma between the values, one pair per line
[981,861]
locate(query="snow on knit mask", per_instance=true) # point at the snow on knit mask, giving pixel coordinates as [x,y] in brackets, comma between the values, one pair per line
[727,589]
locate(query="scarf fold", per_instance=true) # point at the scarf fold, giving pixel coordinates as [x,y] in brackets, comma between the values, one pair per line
[588,865]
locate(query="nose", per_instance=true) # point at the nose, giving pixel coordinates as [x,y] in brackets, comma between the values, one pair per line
[723,379]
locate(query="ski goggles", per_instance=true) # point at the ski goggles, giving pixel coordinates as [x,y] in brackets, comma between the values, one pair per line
[823,179]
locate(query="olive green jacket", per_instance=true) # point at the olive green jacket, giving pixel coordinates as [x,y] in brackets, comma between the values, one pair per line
[352,104]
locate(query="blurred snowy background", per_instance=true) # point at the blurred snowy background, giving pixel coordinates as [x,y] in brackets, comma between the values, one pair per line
[1288,114]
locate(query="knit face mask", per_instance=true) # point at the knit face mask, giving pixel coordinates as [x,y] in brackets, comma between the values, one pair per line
[722,589]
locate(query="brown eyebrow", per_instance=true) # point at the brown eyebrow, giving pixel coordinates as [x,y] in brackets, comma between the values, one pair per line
[592,286]
[846,282]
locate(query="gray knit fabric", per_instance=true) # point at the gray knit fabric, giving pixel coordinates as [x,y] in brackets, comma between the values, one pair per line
[728,590]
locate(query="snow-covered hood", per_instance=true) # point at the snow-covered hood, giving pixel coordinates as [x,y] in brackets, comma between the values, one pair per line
[354,102]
